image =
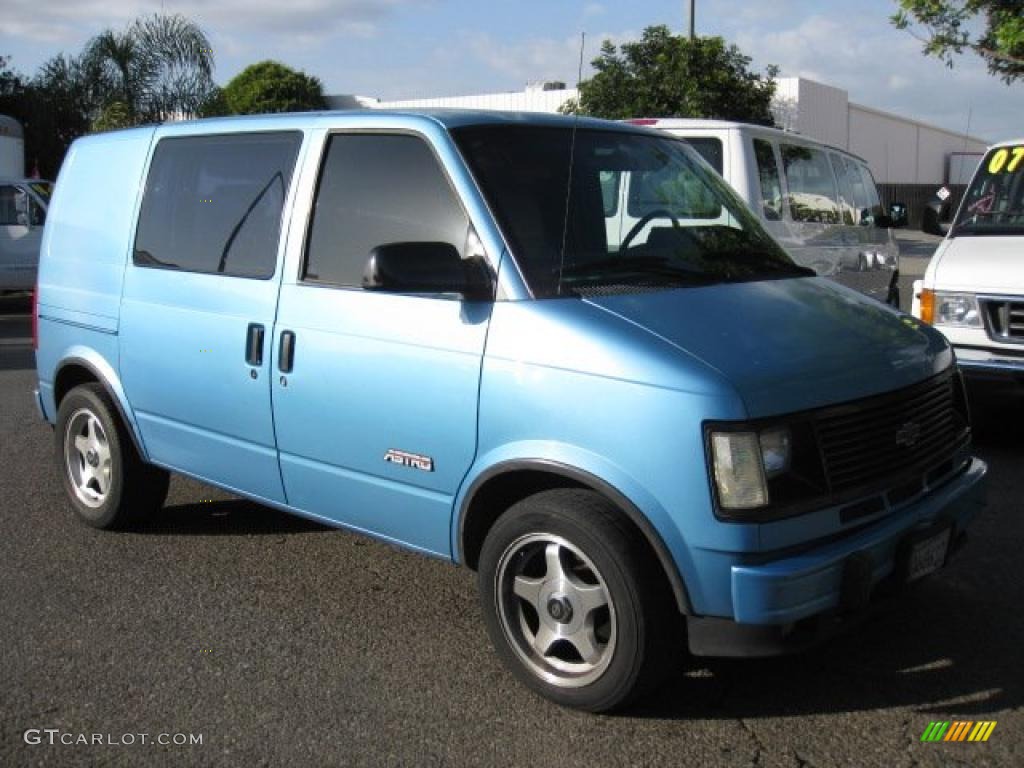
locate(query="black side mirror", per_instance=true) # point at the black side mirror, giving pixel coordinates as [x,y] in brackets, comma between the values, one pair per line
[426,268]
[930,220]
[898,214]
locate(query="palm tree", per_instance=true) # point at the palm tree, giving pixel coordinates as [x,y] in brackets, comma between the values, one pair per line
[158,68]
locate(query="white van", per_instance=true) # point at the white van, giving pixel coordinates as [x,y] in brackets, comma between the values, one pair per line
[818,201]
[973,289]
[23,204]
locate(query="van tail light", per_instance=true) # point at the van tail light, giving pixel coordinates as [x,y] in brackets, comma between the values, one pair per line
[35,317]
[928,306]
[643,121]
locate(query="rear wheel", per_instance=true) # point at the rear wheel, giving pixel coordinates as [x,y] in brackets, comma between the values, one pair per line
[572,602]
[108,483]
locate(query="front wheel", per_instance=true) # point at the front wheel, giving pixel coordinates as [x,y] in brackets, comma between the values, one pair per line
[573,603]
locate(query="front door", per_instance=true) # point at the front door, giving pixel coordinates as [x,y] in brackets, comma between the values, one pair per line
[375,394]
[198,306]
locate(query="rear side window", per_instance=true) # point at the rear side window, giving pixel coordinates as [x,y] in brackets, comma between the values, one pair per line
[768,176]
[377,189]
[812,187]
[710,149]
[213,203]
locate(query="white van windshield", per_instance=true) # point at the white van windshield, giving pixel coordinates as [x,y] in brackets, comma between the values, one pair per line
[994,204]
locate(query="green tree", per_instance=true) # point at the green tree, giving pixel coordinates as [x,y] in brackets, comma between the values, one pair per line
[993,29]
[158,68]
[666,75]
[270,86]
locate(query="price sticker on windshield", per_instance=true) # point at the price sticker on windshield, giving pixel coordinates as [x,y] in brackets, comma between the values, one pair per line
[1006,159]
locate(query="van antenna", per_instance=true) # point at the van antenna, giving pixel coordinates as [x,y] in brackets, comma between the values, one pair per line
[572,150]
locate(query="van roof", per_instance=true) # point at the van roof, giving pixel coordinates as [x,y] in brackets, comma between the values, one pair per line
[700,124]
[1008,143]
[449,118]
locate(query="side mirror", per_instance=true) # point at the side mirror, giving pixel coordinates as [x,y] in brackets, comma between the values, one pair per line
[930,220]
[426,268]
[898,214]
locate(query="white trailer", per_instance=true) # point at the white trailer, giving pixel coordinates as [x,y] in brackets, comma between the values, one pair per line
[12,148]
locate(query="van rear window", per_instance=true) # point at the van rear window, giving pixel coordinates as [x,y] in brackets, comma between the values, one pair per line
[213,203]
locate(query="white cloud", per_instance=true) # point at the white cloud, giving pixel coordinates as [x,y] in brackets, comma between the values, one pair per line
[69,21]
[884,68]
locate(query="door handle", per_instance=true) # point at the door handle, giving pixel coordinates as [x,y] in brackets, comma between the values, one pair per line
[254,345]
[286,352]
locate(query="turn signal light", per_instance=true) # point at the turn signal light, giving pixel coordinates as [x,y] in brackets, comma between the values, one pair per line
[928,306]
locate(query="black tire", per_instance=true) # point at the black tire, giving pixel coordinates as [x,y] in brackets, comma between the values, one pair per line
[634,637]
[118,488]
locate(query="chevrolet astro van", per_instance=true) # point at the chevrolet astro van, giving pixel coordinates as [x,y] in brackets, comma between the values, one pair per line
[973,289]
[416,326]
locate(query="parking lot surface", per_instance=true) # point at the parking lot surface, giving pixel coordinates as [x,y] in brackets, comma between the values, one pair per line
[282,642]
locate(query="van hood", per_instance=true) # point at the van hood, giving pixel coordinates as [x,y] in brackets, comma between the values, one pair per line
[981,264]
[789,345]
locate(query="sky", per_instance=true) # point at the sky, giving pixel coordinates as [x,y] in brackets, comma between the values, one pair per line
[420,48]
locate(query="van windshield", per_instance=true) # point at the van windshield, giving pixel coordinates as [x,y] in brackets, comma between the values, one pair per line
[643,213]
[994,203]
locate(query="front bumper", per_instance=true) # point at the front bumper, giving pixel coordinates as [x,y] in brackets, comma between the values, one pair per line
[995,364]
[796,601]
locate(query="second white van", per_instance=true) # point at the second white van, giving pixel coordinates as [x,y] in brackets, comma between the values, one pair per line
[818,201]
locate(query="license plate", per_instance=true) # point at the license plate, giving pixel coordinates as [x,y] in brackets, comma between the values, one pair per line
[928,555]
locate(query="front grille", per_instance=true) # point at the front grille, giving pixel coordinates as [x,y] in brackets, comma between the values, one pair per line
[1004,319]
[880,440]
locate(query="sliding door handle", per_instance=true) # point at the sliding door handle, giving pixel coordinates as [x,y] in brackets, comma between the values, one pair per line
[254,345]
[286,352]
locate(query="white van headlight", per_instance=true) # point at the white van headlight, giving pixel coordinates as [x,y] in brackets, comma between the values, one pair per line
[960,309]
[744,461]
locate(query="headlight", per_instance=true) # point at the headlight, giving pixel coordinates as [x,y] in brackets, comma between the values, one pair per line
[960,309]
[743,462]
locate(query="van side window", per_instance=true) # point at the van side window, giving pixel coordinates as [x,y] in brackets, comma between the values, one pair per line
[873,205]
[650,191]
[213,203]
[376,189]
[710,149]
[847,202]
[768,175]
[812,187]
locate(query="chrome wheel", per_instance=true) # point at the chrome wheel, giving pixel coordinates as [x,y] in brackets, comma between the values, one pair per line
[555,610]
[87,458]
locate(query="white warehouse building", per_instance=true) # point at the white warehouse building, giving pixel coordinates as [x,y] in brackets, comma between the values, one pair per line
[900,151]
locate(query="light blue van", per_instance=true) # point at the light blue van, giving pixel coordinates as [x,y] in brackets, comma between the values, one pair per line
[417,326]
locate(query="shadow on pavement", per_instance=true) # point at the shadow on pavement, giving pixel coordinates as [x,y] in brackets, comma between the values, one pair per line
[232,517]
[17,358]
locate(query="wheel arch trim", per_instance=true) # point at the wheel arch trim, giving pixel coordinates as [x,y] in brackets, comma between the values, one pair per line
[595,483]
[108,379]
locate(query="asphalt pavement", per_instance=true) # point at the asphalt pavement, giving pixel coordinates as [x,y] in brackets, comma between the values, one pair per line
[281,642]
